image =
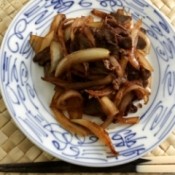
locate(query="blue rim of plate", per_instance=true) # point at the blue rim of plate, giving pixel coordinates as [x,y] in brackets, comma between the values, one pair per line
[159,30]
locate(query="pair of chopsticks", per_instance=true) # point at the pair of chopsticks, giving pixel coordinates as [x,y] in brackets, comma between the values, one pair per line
[160,164]
[63,167]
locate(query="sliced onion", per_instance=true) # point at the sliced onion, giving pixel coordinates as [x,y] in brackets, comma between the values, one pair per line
[98,131]
[40,43]
[95,24]
[133,60]
[139,91]
[128,87]
[109,109]
[116,65]
[56,22]
[123,63]
[67,28]
[68,124]
[92,54]
[55,97]
[99,13]
[61,37]
[126,100]
[128,120]
[56,54]
[67,33]
[66,100]
[79,85]
[99,93]
[134,35]
[68,22]
[143,60]
[135,32]
[108,106]
[88,33]
[47,40]
[35,42]
[119,95]
[78,22]
[75,114]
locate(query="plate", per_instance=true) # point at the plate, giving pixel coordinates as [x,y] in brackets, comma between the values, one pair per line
[27,97]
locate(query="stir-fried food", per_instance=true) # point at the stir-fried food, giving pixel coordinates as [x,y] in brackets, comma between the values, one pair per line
[98,66]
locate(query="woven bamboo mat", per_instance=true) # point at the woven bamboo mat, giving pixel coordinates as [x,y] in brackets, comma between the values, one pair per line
[14,146]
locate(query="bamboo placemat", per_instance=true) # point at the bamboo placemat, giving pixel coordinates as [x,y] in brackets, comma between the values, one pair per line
[14,146]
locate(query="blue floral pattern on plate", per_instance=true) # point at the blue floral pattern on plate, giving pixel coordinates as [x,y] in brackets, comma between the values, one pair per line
[27,96]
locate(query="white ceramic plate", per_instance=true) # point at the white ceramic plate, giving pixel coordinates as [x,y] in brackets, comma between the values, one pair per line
[27,96]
